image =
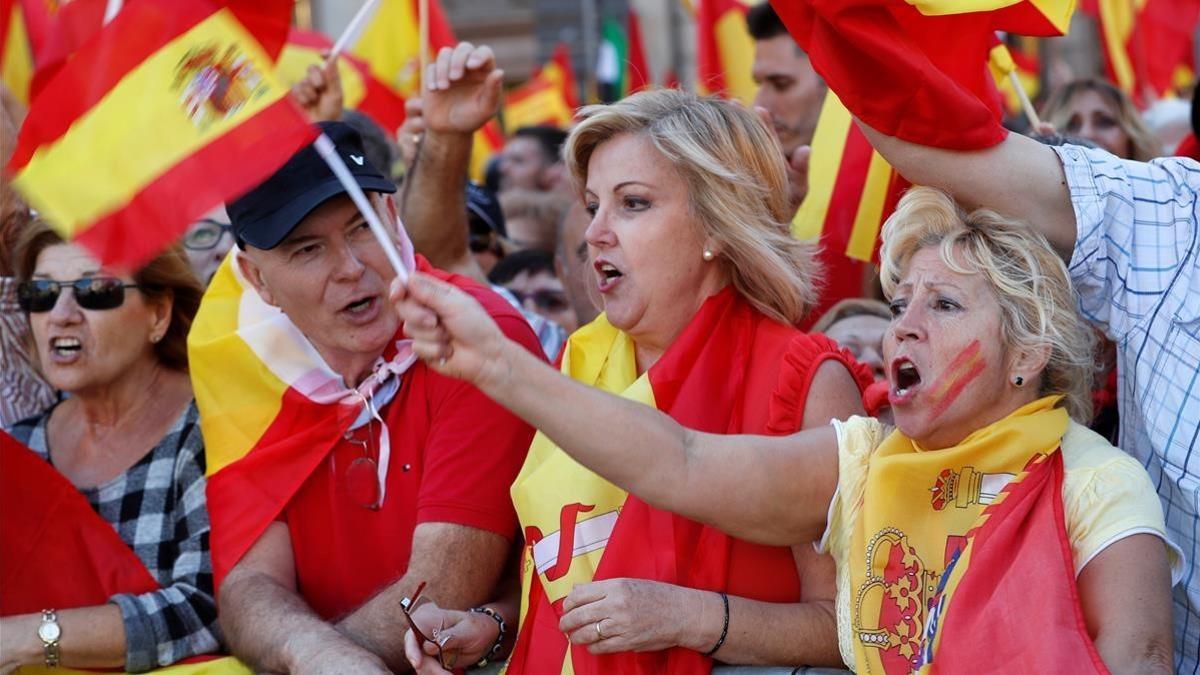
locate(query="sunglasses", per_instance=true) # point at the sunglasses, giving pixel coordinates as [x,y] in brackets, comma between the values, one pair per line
[40,295]
[206,235]
[408,606]
[361,474]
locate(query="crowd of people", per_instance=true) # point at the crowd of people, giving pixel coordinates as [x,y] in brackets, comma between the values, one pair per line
[583,429]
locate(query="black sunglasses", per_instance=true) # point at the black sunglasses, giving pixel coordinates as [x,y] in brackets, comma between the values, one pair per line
[206,235]
[544,299]
[40,295]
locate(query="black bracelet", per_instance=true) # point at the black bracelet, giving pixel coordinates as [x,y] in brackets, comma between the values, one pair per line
[724,628]
[495,650]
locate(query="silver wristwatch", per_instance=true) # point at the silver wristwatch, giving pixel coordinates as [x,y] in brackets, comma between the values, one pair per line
[49,632]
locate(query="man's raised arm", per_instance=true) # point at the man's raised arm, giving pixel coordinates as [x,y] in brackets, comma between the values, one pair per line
[461,93]
[1019,177]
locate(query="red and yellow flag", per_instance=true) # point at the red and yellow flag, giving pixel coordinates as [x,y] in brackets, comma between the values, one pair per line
[1148,44]
[56,551]
[851,191]
[724,49]
[16,52]
[391,42]
[172,109]
[487,142]
[1024,61]
[917,69]
[538,101]
[361,90]
[559,71]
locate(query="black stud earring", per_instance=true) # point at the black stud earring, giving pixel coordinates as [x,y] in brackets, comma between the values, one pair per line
[1018,380]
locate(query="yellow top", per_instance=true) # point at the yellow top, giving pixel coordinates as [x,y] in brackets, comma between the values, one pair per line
[1106,494]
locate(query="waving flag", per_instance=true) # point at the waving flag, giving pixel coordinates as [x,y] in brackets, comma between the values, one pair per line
[391,42]
[1148,44]
[724,49]
[851,191]
[361,90]
[172,109]
[1023,60]
[918,69]
[621,67]
[16,53]
[538,101]
[559,71]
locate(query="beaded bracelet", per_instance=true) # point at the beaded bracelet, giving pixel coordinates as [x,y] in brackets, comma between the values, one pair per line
[724,628]
[495,650]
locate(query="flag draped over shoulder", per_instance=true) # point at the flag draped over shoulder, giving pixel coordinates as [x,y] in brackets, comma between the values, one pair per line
[956,543]
[266,435]
[361,90]
[918,70]
[170,110]
[56,551]
[724,49]
[1148,45]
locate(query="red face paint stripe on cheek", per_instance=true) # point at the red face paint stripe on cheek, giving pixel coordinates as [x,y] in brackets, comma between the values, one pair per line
[946,400]
[953,372]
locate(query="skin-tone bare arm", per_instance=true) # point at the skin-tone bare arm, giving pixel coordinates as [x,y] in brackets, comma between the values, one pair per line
[92,637]
[460,565]
[1132,572]
[268,625]
[772,490]
[462,93]
[1019,177]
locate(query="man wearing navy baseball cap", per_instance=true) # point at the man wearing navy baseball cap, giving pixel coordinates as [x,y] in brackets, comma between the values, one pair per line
[318,587]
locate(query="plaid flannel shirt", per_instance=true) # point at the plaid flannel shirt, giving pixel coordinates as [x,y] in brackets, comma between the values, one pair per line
[1136,267]
[158,508]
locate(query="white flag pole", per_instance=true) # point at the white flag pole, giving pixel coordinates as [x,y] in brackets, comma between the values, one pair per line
[329,153]
[352,29]
[111,9]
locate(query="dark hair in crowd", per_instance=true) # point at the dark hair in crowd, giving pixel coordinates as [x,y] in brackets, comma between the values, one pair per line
[550,138]
[167,275]
[764,23]
[533,261]
[381,153]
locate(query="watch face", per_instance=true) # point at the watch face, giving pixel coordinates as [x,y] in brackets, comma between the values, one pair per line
[49,632]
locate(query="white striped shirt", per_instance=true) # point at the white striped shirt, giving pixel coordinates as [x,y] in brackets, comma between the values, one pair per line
[1136,267]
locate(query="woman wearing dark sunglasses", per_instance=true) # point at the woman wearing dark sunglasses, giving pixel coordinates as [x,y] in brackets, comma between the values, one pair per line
[125,442]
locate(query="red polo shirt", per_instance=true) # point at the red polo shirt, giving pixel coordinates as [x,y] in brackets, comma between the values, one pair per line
[454,454]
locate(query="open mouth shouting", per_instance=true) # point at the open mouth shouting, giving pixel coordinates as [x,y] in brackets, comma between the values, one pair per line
[609,275]
[361,310]
[64,350]
[905,379]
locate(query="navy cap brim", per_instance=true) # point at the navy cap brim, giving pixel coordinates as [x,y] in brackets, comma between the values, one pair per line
[285,219]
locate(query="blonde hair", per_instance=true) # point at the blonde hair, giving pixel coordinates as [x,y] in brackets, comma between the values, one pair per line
[1143,144]
[1030,282]
[737,185]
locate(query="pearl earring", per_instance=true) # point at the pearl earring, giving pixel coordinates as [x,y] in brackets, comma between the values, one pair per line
[708,255]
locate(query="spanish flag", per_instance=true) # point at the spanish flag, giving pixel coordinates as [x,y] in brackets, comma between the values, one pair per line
[538,101]
[918,69]
[172,109]
[1148,44]
[57,31]
[851,191]
[391,42]
[724,49]
[56,551]
[361,90]
[559,71]
[487,142]
[16,53]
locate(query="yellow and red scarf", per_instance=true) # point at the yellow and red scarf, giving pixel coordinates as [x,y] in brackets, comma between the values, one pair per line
[719,376]
[950,547]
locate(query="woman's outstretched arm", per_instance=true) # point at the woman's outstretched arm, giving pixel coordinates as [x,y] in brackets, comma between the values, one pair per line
[773,490]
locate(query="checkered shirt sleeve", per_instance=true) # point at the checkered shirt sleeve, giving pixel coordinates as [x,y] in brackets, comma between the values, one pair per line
[158,508]
[1136,267]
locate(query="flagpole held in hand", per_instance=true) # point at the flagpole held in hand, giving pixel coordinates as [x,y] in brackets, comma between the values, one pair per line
[352,30]
[325,147]
[1026,105]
